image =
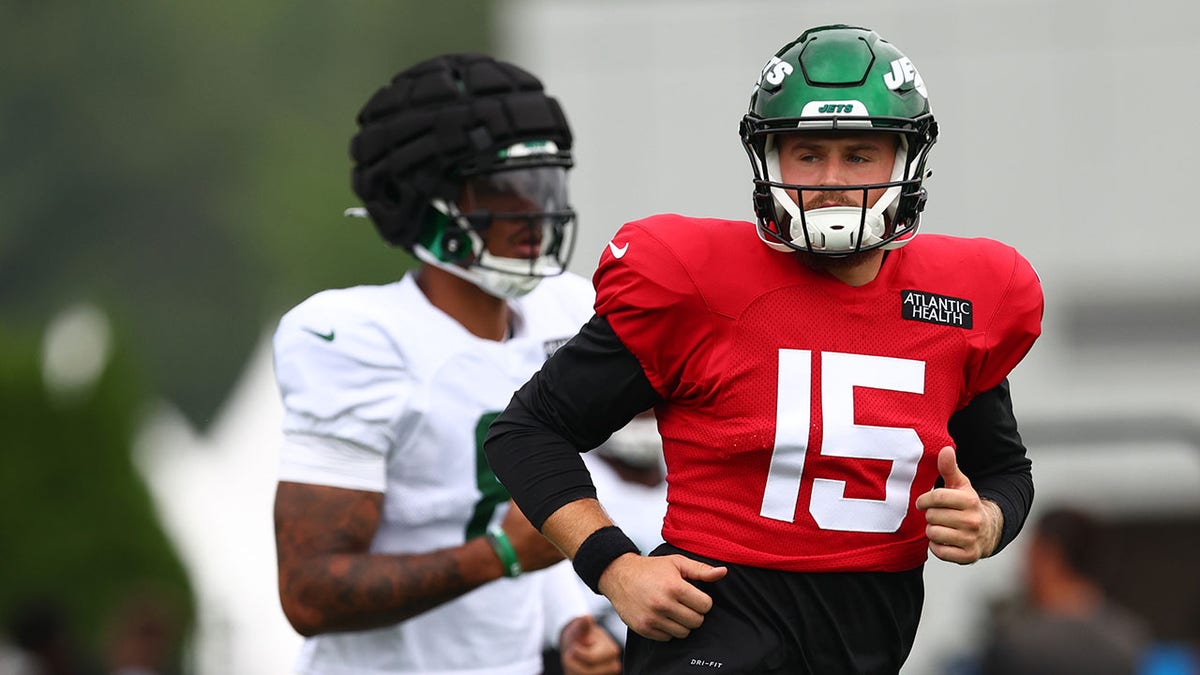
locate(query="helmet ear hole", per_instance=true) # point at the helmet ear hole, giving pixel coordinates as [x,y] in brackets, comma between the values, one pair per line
[446,234]
[457,244]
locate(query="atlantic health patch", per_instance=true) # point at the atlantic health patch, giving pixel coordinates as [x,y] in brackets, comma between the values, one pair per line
[934,308]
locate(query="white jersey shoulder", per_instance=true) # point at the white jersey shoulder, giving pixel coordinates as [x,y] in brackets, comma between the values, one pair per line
[346,360]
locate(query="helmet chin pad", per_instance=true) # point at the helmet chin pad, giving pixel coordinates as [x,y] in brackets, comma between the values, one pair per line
[840,229]
[503,285]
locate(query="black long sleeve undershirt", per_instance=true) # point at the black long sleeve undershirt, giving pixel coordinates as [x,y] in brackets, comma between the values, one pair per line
[593,386]
[991,454]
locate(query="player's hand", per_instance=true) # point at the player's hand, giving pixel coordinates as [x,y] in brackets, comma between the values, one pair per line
[652,594]
[588,649]
[533,550]
[961,527]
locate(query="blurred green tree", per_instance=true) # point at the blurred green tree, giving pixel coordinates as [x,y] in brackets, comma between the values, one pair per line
[185,165]
[79,536]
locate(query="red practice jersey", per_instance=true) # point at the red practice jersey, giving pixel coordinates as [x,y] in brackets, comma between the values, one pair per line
[802,416]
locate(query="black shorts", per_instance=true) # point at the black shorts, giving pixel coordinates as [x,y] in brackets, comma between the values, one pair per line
[767,621]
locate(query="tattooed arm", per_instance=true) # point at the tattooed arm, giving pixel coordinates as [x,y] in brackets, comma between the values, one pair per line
[330,581]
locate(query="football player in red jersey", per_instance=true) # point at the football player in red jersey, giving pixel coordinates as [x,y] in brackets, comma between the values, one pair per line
[831,390]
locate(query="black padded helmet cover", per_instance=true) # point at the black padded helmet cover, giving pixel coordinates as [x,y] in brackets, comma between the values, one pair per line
[443,120]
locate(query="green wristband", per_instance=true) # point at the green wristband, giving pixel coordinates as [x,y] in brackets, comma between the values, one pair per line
[504,550]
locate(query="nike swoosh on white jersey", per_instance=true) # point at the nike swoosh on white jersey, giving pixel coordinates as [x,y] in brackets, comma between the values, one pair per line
[618,251]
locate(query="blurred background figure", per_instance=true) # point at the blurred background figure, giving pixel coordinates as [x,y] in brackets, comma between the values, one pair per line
[42,641]
[143,634]
[1066,624]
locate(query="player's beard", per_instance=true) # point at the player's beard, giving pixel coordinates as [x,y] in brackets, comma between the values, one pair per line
[831,263]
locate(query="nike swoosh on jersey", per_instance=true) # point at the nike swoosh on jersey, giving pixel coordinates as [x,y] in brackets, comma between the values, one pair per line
[328,337]
[618,251]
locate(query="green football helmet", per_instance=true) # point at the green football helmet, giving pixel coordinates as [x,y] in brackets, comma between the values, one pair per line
[830,79]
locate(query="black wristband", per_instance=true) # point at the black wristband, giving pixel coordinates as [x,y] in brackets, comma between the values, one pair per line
[598,551]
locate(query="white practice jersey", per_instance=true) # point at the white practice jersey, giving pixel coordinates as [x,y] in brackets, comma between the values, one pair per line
[383,391]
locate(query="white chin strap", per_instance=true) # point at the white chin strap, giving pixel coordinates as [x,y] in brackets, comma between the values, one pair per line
[511,277]
[835,229]
[503,285]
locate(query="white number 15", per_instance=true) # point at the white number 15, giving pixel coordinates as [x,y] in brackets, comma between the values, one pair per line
[840,374]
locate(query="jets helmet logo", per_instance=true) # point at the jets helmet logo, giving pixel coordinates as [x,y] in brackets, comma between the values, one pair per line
[903,71]
[773,74]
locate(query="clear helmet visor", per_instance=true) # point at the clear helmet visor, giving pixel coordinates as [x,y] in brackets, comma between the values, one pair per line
[508,231]
[527,224]
[544,187]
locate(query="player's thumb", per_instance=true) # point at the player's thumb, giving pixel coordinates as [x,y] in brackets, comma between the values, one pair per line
[698,571]
[587,626]
[952,476]
[578,633]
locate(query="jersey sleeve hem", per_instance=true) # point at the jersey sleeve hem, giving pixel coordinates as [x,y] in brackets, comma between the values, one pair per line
[333,462]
